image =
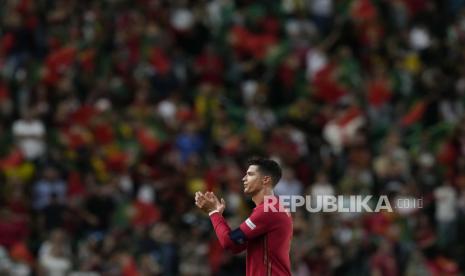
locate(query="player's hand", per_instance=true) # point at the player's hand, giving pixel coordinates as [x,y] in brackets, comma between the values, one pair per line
[200,200]
[220,205]
[208,202]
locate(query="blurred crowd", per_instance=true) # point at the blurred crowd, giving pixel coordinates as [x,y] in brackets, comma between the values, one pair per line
[114,112]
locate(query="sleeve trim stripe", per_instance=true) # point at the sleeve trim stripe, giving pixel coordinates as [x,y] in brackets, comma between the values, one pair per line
[250,224]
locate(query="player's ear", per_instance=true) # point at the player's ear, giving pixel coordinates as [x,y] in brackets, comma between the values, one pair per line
[267,179]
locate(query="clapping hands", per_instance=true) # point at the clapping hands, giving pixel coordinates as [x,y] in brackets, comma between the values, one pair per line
[208,202]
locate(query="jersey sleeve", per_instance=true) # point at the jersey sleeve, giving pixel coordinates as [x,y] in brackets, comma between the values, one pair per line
[223,232]
[257,224]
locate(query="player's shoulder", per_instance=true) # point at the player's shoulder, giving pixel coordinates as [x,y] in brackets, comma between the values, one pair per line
[273,210]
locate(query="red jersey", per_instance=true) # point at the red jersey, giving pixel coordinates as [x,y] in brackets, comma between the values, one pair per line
[268,239]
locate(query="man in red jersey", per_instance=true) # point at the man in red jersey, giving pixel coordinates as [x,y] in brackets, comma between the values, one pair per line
[266,233]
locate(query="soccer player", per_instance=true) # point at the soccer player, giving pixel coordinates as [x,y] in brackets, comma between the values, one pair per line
[267,233]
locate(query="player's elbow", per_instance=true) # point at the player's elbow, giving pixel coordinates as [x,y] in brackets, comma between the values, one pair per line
[230,246]
[227,244]
[235,241]
[232,241]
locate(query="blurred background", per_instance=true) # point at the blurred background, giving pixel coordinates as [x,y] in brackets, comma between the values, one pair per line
[113,112]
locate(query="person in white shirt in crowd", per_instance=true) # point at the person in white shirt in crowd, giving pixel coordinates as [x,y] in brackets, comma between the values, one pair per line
[289,185]
[321,187]
[29,134]
[9,266]
[55,255]
[446,201]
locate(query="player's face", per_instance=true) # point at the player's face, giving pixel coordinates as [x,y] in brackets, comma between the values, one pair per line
[253,180]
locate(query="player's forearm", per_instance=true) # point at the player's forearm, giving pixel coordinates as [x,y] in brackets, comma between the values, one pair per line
[222,231]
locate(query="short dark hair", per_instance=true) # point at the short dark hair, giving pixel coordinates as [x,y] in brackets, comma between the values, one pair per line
[267,167]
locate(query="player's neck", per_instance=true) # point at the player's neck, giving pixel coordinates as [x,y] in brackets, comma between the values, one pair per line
[260,196]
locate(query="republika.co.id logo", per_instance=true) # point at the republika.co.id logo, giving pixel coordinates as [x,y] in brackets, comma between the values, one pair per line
[340,203]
